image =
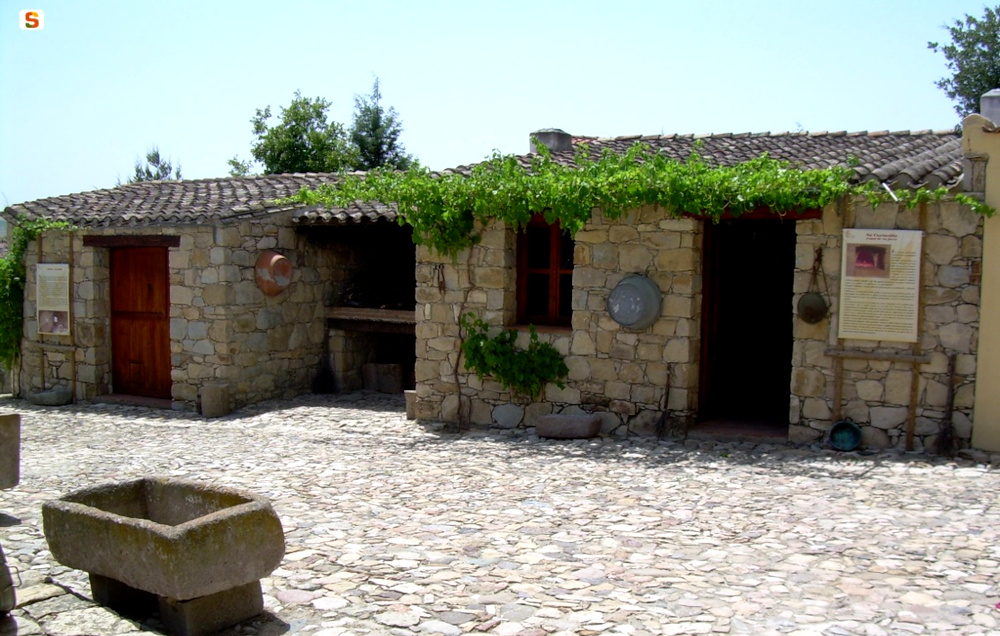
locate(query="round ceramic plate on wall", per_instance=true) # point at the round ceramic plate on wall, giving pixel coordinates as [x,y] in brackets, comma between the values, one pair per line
[273,273]
[635,302]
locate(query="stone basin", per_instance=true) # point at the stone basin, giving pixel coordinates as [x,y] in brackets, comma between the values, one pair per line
[196,549]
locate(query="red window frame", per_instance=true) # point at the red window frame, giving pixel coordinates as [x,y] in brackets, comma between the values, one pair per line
[558,304]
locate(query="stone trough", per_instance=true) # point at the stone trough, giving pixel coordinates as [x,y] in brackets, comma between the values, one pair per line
[196,551]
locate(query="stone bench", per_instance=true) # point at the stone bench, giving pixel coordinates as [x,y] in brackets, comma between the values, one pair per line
[196,551]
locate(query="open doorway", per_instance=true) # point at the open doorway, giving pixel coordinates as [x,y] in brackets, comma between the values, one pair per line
[746,355]
[371,319]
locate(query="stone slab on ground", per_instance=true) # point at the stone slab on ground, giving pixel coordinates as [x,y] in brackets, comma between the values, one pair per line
[561,426]
[36,593]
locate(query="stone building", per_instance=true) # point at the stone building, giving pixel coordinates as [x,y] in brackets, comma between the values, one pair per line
[727,347]
[179,292]
[184,291]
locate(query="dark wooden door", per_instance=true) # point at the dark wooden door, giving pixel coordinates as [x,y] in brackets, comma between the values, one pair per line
[747,320]
[140,321]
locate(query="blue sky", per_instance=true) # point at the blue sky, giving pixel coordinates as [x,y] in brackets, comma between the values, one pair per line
[104,80]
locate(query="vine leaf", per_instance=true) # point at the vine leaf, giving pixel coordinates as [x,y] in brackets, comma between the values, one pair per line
[445,209]
[12,277]
[523,371]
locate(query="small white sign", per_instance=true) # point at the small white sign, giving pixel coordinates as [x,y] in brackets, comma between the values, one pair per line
[52,290]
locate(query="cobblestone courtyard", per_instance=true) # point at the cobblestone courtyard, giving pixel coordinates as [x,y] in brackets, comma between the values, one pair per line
[395,529]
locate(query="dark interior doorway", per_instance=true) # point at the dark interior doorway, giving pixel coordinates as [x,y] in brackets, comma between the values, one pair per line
[747,321]
[370,307]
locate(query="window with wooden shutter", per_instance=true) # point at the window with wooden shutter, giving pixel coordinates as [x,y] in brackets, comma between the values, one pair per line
[544,274]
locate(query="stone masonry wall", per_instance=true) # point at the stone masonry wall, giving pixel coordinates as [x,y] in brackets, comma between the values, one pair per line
[223,328]
[48,360]
[876,393]
[622,374]
[619,373]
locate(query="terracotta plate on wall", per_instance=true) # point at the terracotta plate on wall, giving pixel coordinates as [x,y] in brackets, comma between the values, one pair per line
[273,273]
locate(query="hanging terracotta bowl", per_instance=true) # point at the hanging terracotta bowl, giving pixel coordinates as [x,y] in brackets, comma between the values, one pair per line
[813,307]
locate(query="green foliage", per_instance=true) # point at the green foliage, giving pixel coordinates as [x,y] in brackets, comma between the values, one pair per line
[239,167]
[444,209]
[375,132]
[302,141]
[12,275]
[156,168]
[973,59]
[522,371]
[306,140]
[912,198]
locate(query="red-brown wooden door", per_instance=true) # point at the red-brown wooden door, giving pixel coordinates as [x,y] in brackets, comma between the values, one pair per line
[140,321]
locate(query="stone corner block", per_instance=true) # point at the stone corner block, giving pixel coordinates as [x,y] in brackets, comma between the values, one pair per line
[508,415]
[798,434]
[56,396]
[215,400]
[562,426]
[208,615]
[411,404]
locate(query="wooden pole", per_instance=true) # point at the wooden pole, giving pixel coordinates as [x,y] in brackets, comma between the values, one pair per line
[846,209]
[838,387]
[891,356]
[41,338]
[72,326]
[911,415]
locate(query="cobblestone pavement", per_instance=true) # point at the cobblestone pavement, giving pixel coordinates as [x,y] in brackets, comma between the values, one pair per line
[395,529]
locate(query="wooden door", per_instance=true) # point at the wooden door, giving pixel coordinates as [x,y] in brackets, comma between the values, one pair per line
[140,321]
[747,320]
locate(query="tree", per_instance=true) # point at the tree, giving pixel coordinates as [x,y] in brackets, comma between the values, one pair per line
[973,59]
[239,168]
[303,141]
[375,131]
[156,168]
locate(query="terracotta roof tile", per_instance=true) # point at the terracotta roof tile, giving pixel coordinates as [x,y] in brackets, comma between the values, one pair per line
[900,159]
[152,203]
[358,212]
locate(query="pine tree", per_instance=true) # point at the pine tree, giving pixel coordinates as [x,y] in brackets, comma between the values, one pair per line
[375,132]
[156,168]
